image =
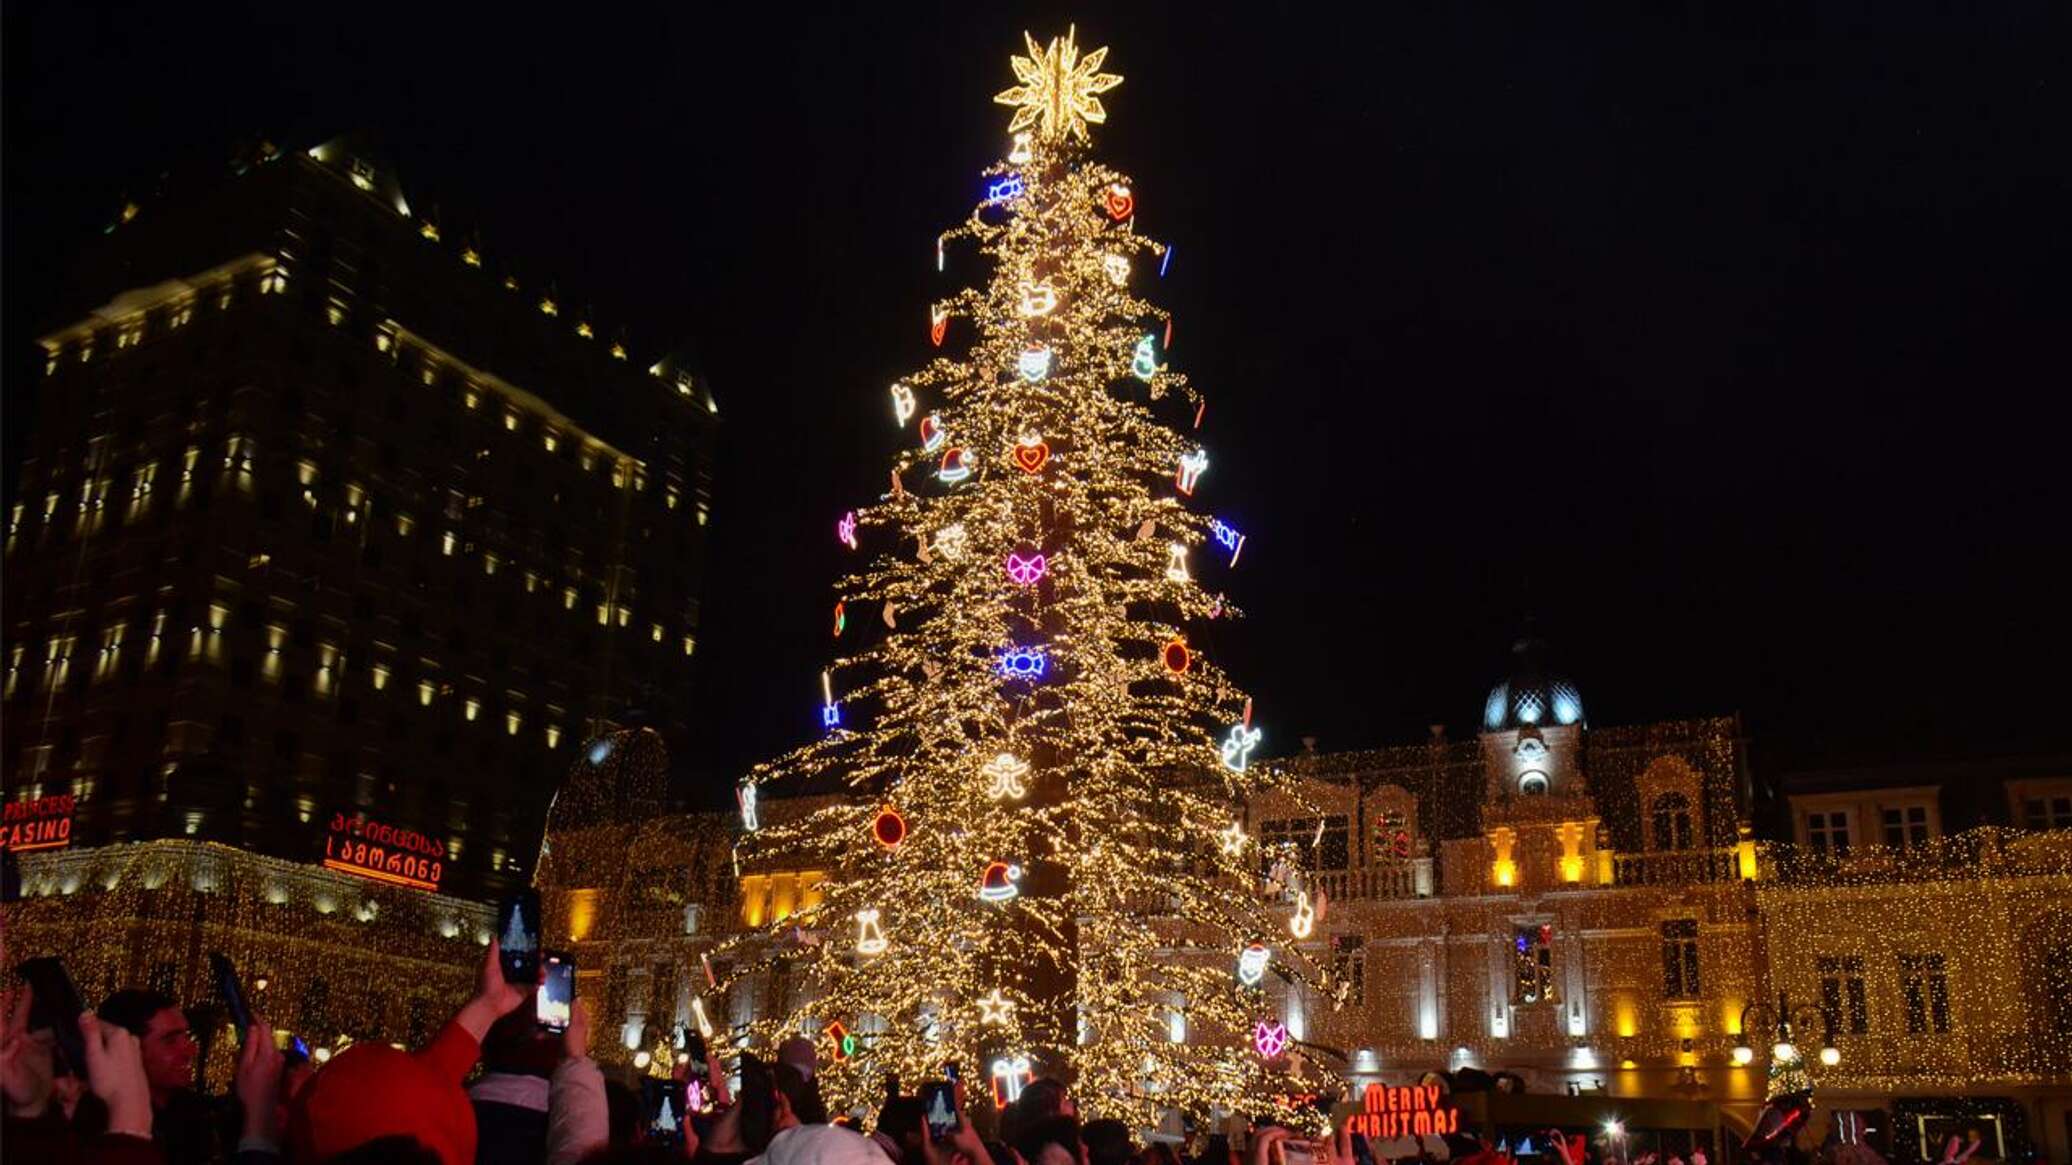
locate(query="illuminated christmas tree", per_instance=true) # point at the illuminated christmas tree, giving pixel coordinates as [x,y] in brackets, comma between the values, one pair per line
[1038,864]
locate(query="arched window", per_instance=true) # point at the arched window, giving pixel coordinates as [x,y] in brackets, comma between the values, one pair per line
[1672,812]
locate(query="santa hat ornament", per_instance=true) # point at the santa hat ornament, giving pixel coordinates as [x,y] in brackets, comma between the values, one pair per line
[1000,882]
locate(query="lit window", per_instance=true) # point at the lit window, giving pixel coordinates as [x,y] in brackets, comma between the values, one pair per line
[14,673]
[380,672]
[704,512]
[140,489]
[237,462]
[276,639]
[618,351]
[471,399]
[551,440]
[306,472]
[471,257]
[426,689]
[335,312]
[429,230]
[625,615]
[275,281]
[187,463]
[403,524]
[568,598]
[657,633]
[488,563]
[207,642]
[111,651]
[156,644]
[670,497]
[429,373]
[50,506]
[548,306]
[510,421]
[471,709]
[532,581]
[513,721]
[689,645]
[384,340]
[57,661]
[619,476]
[583,330]
[182,314]
[553,731]
[327,668]
[447,543]
[93,498]
[604,614]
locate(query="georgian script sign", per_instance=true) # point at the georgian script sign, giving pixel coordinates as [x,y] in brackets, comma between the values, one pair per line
[376,850]
[45,823]
[1413,1110]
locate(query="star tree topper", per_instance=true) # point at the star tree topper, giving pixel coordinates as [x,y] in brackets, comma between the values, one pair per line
[1058,88]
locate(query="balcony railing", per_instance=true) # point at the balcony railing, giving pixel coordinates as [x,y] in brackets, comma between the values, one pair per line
[1685,867]
[1412,879]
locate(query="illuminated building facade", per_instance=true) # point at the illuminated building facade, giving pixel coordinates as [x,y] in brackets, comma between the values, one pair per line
[1605,910]
[329,521]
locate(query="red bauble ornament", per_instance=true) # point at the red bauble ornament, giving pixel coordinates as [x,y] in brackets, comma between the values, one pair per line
[890,828]
[1177,657]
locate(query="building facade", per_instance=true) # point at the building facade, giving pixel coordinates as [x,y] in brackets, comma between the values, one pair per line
[1607,914]
[334,533]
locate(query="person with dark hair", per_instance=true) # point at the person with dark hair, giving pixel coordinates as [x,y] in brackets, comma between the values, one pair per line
[795,1141]
[510,1098]
[36,1127]
[1041,1099]
[1051,1140]
[187,1126]
[900,1130]
[1107,1143]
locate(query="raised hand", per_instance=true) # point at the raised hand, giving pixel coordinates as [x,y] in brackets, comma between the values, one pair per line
[115,1072]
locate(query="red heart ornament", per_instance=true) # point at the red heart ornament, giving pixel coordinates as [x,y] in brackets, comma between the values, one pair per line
[1121,203]
[1032,457]
[938,326]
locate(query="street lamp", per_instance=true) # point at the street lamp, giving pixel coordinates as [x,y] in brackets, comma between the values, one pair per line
[1782,1021]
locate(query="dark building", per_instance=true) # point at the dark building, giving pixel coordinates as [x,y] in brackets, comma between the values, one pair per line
[327,515]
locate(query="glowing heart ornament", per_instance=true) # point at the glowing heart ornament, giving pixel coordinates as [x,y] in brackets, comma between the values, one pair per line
[1119,202]
[938,325]
[1030,454]
[1025,570]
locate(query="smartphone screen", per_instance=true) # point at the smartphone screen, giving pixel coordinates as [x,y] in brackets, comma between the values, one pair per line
[518,937]
[939,1107]
[558,994]
[54,1003]
[231,992]
[663,1106]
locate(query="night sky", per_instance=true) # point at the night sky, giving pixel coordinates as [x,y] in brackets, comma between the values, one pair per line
[1730,345]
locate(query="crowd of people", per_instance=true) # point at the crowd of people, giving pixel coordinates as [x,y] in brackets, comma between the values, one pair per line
[538,1099]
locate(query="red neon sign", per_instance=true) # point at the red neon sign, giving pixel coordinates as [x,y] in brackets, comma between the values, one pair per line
[45,823]
[1414,1110]
[383,853]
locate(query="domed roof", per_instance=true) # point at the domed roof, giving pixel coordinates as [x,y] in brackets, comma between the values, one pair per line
[1532,693]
